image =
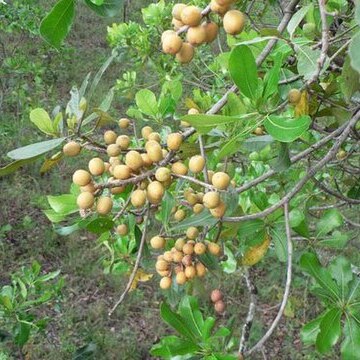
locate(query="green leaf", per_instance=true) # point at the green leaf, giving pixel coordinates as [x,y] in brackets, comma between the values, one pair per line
[34,150]
[146,102]
[330,330]
[337,240]
[307,64]
[286,129]
[297,18]
[108,8]
[330,220]
[354,52]
[283,158]
[350,80]
[49,276]
[63,204]
[272,77]
[189,311]
[350,347]
[167,204]
[340,270]
[171,346]
[100,225]
[22,333]
[280,242]
[310,331]
[243,70]
[42,120]
[56,25]
[209,324]
[202,219]
[12,167]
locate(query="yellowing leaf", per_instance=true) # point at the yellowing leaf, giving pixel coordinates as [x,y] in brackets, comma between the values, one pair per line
[140,276]
[190,104]
[256,253]
[302,107]
[51,162]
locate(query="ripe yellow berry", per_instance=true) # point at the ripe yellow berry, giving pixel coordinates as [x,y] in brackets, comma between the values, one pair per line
[155,192]
[259,131]
[107,166]
[179,244]
[224,2]
[110,137]
[219,9]
[133,160]
[220,180]
[341,155]
[196,35]
[155,136]
[72,148]
[96,166]
[122,172]
[219,307]
[157,242]
[164,272]
[179,168]
[214,248]
[122,229]
[162,265]
[162,174]
[193,111]
[104,205]
[219,211]
[211,199]
[165,283]
[85,200]
[196,164]
[294,96]
[113,150]
[154,151]
[181,278]
[186,53]
[146,160]
[216,295]
[188,249]
[124,123]
[138,198]
[123,141]
[191,198]
[234,22]
[177,10]
[174,141]
[190,272]
[177,256]
[168,256]
[179,215]
[187,260]
[81,177]
[90,187]
[146,131]
[198,208]
[211,30]
[172,44]
[177,24]
[191,15]
[200,269]
[199,248]
[163,35]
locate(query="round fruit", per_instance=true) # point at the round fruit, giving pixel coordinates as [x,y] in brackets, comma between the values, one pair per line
[174,141]
[211,199]
[139,219]
[224,2]
[199,248]
[165,283]
[341,155]
[124,123]
[162,265]
[110,137]
[196,35]
[211,31]
[191,15]
[177,24]
[146,130]
[107,166]
[154,136]
[198,208]
[90,187]
[200,269]
[219,211]
[193,111]
[122,172]
[219,307]
[163,35]
[104,205]
[81,177]
[220,180]
[196,164]
[179,168]
[234,22]
[85,200]
[162,174]
[123,141]
[114,161]
[188,249]
[154,151]
[157,242]
[164,272]
[216,295]
[216,8]
[146,160]
[180,215]
[191,198]
[214,248]
[187,260]
[181,278]
[259,131]
[122,229]
[179,244]
[186,53]
[192,233]
[190,272]
[172,44]
[177,256]
[113,150]
[133,160]
[138,198]
[177,10]
[168,256]
[294,96]
[72,148]
[155,192]
[96,166]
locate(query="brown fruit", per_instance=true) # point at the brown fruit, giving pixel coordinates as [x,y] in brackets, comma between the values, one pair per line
[177,10]
[174,141]
[179,168]
[139,219]
[196,164]
[199,248]
[190,272]
[177,24]
[123,141]
[172,44]
[85,200]
[179,244]
[117,189]
[157,242]
[216,295]
[146,130]
[138,198]
[81,177]
[219,307]
[211,199]
[181,278]
[198,208]
[110,137]
[179,215]
[192,233]
[163,174]
[155,192]
[224,2]
[122,229]
[234,22]
[211,31]
[187,260]
[220,180]
[196,35]
[154,136]
[122,172]
[191,15]
[214,248]
[96,166]
[200,269]
[104,205]
[133,160]
[162,265]
[188,249]
[124,123]
[165,283]
[219,211]
[219,9]
[90,187]
[72,148]
[113,150]
[294,96]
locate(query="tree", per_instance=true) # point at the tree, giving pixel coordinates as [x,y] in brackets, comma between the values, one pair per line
[271,158]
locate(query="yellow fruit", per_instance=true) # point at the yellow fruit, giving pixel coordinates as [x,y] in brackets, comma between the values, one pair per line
[72,148]
[186,53]
[157,242]
[177,24]
[113,150]
[234,22]
[220,180]
[200,197]
[163,35]
[177,256]
[110,137]
[164,272]
[211,199]
[256,253]
[196,35]
[172,44]
[216,295]
[155,192]
[162,265]
[341,155]
[107,166]
[179,244]
[193,111]
[190,272]
[114,161]
[154,151]
[191,198]
[146,160]
[117,190]
[199,248]
[179,168]
[191,15]
[165,283]
[138,198]
[122,229]
[133,160]
[124,123]
[214,248]
[168,256]
[177,10]
[219,9]
[122,172]
[224,2]
[162,174]
[196,164]
[174,141]
[146,131]
[144,184]
[198,208]
[123,141]
[259,131]
[104,205]
[219,211]
[90,187]
[179,215]
[155,136]
[188,249]
[219,307]
[85,200]
[81,177]
[294,96]
[187,260]
[96,166]
[210,174]
[192,233]
[211,30]
[200,269]
[181,278]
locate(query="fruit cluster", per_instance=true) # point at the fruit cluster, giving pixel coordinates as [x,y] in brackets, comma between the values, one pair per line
[183,259]
[190,19]
[217,299]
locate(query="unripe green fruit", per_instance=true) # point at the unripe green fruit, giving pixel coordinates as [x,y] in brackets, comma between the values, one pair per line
[309,30]
[192,233]
[162,174]
[113,150]
[191,15]
[104,205]
[81,177]
[123,141]
[294,96]
[122,172]
[138,198]
[234,22]
[254,156]
[186,53]
[220,180]
[124,123]
[341,155]
[110,137]
[196,164]
[165,283]
[259,131]
[72,148]
[122,229]
[133,160]
[96,166]
[211,199]
[85,200]
[174,141]
[193,111]
[157,242]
